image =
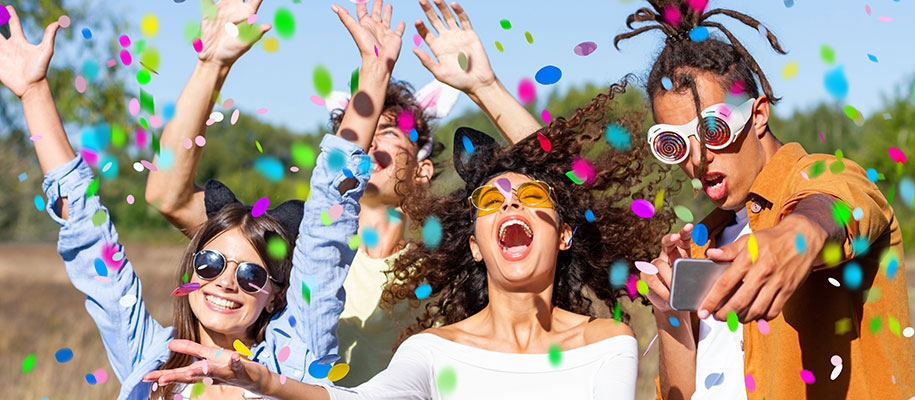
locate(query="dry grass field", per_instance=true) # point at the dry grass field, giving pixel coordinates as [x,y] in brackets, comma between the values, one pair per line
[40,312]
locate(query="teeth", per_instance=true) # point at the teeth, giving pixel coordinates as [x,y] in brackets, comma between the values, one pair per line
[527,229]
[228,304]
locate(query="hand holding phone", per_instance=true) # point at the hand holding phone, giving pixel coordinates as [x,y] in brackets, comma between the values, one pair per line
[692,279]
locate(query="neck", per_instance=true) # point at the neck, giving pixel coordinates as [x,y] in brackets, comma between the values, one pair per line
[520,317]
[374,214]
[770,145]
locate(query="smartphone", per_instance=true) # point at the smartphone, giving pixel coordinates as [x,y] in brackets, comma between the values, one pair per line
[691,281]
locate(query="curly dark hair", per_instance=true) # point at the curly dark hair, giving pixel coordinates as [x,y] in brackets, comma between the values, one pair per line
[459,284]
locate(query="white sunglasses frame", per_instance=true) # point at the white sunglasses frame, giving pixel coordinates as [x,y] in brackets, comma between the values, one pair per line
[735,117]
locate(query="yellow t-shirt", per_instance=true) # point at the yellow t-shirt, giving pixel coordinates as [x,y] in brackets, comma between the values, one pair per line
[366,333]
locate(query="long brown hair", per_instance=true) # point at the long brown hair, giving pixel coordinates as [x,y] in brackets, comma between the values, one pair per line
[459,284]
[258,231]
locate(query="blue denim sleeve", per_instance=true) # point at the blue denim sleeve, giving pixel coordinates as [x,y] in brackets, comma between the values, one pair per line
[96,266]
[322,255]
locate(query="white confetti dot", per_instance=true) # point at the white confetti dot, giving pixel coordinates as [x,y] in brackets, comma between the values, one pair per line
[231,29]
[106,167]
[835,372]
[128,300]
[217,116]
[138,167]
[834,282]
[208,381]
[200,140]
[129,199]
[908,332]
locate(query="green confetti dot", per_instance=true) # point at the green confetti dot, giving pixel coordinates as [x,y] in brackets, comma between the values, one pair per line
[354,82]
[555,354]
[893,325]
[185,278]
[150,58]
[276,248]
[827,54]
[446,380]
[462,61]
[875,324]
[617,312]
[841,212]
[816,169]
[303,155]
[118,136]
[837,166]
[529,37]
[284,22]
[99,218]
[259,148]
[306,293]
[197,390]
[843,326]
[143,77]
[322,81]
[732,321]
[92,189]
[697,184]
[28,363]
[499,46]
[354,242]
[208,7]
[191,31]
[641,287]
[683,213]
[506,24]
[325,218]
[852,112]
[248,33]
[574,178]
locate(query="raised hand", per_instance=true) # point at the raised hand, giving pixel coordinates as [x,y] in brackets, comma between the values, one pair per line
[372,33]
[221,47]
[224,367]
[453,40]
[22,64]
[673,247]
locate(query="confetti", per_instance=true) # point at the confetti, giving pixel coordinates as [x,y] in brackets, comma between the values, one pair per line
[100,267]
[284,22]
[354,242]
[789,70]
[618,137]
[836,370]
[446,380]
[884,19]
[23,176]
[369,237]
[231,29]
[506,24]
[101,376]
[763,326]
[632,289]
[277,248]
[908,332]
[827,54]
[672,15]
[499,46]
[87,34]
[700,235]
[127,300]
[28,363]
[271,45]
[270,167]
[322,81]
[417,40]
[149,25]
[99,218]
[241,348]
[544,142]
[897,155]
[875,324]
[423,291]
[667,83]
[646,267]
[589,215]
[650,344]
[752,248]
[545,115]
[789,3]
[683,213]
[39,203]
[283,354]
[80,84]
[732,321]
[867,9]
[749,382]
[124,40]
[185,289]
[529,37]
[641,287]
[548,75]
[337,372]
[643,208]
[432,232]
[714,379]
[852,275]
[836,83]
[292,321]
[585,48]
[63,355]
[698,34]
[674,321]
[807,377]
[872,57]
[306,293]
[527,92]
[619,271]
[574,178]
[463,62]
[555,355]
[504,186]
[584,170]
[800,244]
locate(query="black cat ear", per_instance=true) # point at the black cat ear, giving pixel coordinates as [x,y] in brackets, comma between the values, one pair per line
[216,195]
[290,214]
[471,148]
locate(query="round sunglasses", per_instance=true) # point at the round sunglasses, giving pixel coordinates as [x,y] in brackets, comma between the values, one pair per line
[721,125]
[250,277]
[487,199]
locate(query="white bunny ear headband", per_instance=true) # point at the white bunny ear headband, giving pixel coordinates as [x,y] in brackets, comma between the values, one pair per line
[436,99]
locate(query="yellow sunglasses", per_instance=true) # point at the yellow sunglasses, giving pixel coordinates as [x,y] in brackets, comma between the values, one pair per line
[487,199]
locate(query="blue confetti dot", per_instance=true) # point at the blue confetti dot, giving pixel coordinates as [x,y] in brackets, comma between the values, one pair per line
[619,271]
[872,57]
[892,268]
[700,235]
[674,321]
[100,267]
[907,190]
[335,160]
[589,215]
[423,291]
[168,111]
[39,203]
[110,168]
[319,371]
[91,379]
[369,237]
[717,378]
[63,355]
[789,3]
[90,69]
[347,173]
[800,244]
[698,34]
[468,145]
[432,232]
[166,158]
[23,176]
[548,75]
[394,216]
[836,83]
[852,275]
[365,165]
[292,321]
[872,175]
[667,83]
[618,137]
[87,33]
[270,167]
[857,213]
[414,136]
[859,245]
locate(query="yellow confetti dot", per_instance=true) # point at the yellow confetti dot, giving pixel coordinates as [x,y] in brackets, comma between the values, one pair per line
[271,45]
[659,200]
[641,287]
[843,326]
[149,25]
[789,70]
[753,248]
[832,254]
[241,348]
[337,372]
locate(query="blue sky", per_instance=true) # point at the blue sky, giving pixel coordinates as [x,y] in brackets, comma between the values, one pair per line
[282,83]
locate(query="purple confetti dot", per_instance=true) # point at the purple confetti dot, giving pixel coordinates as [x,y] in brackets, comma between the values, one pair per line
[260,206]
[585,48]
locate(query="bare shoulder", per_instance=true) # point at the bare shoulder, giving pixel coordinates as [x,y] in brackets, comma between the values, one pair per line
[598,329]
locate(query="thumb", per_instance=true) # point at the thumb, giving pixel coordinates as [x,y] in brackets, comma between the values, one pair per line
[50,34]
[265,28]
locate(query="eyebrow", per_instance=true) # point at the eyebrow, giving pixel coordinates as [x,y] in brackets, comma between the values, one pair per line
[387,126]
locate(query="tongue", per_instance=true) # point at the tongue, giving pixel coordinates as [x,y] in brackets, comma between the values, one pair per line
[515,238]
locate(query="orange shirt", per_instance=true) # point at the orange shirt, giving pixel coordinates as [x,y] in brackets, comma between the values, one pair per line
[861,326]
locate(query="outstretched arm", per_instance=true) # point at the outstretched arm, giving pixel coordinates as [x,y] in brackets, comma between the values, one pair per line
[478,80]
[172,191]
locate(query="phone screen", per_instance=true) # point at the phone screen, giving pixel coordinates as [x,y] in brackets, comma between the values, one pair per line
[692,280]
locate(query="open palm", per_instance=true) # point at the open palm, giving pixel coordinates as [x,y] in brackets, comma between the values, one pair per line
[218,44]
[224,367]
[24,64]
[372,33]
[453,40]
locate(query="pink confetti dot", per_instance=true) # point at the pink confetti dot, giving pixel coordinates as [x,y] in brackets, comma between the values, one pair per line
[229,103]
[35,137]
[124,40]
[527,92]
[141,137]
[235,115]
[545,115]
[293,169]
[149,165]
[584,48]
[867,9]
[317,100]
[101,376]
[583,169]
[260,206]
[763,326]
[750,382]
[335,211]
[133,106]
[210,121]
[188,143]
[283,354]
[207,381]
[64,22]
[884,19]
[282,378]
[807,377]
[198,45]
[836,360]
[544,142]
[200,141]
[111,63]
[261,111]
[646,267]
[897,155]
[405,121]
[155,121]
[252,18]
[129,199]
[125,57]
[417,40]
[80,84]
[643,208]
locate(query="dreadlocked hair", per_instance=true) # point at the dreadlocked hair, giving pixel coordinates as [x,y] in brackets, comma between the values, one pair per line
[459,284]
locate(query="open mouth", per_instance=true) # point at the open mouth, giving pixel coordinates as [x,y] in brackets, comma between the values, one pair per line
[715,185]
[221,304]
[515,238]
[382,161]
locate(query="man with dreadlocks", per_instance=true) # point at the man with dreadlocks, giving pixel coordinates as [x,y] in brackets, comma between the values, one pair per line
[775,224]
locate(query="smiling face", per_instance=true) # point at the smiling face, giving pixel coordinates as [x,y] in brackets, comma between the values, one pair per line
[220,305]
[518,243]
[731,171]
[392,150]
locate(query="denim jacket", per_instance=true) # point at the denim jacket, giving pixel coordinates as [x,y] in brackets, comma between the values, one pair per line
[136,344]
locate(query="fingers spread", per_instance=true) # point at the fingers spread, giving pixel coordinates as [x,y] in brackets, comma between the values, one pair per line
[15,24]
[446,13]
[427,61]
[433,17]
[465,21]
